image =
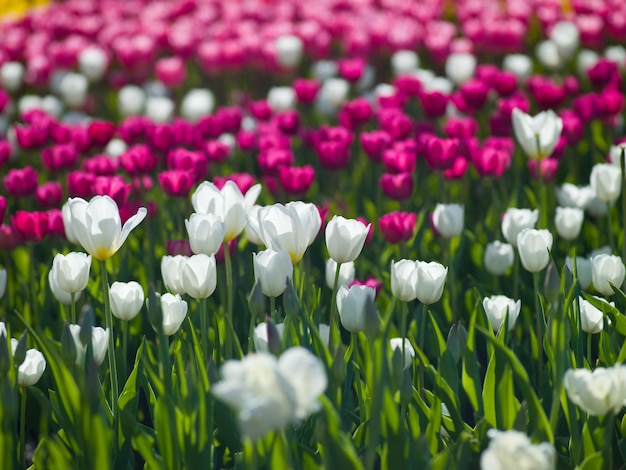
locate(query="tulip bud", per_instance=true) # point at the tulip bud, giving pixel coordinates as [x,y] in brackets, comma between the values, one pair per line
[404,279]
[87,323]
[606,181]
[498,257]
[31,368]
[198,275]
[291,302]
[72,271]
[174,311]
[345,238]
[262,334]
[19,353]
[457,341]
[206,233]
[406,390]
[397,367]
[351,304]
[256,300]
[68,346]
[607,270]
[273,338]
[371,319]
[153,304]
[552,284]
[3,282]
[171,269]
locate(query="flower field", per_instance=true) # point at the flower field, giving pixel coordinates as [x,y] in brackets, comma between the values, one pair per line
[344,234]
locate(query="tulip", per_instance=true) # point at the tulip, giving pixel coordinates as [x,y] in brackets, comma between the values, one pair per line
[519,65]
[566,36]
[291,227]
[93,63]
[404,62]
[591,317]
[568,222]
[516,220]
[498,257]
[397,227]
[30,371]
[547,53]
[534,249]
[599,392]
[569,195]
[331,96]
[583,270]
[274,270]
[176,183]
[538,135]
[131,100]
[98,227]
[171,269]
[99,344]
[281,98]
[288,51]
[351,304]
[497,306]
[405,346]
[431,278]
[72,271]
[11,76]
[206,233]
[126,299]
[159,109]
[32,226]
[404,279]
[615,154]
[21,182]
[606,181]
[260,338]
[346,273]
[196,104]
[447,219]
[513,449]
[345,238]
[198,275]
[174,310]
[460,67]
[73,89]
[61,295]
[607,270]
[228,204]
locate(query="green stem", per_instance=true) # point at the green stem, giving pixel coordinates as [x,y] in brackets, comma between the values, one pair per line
[73,309]
[608,440]
[229,298]
[108,321]
[403,322]
[609,221]
[538,332]
[543,207]
[34,283]
[516,263]
[204,330]
[273,309]
[333,310]
[124,350]
[589,340]
[249,454]
[423,311]
[623,167]
[22,426]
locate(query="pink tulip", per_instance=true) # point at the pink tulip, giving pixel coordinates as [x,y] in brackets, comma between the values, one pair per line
[397,227]
[398,187]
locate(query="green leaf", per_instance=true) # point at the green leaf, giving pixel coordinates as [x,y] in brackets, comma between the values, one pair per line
[166,436]
[471,377]
[592,462]
[337,448]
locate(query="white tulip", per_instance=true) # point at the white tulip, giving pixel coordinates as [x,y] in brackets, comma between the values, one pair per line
[206,233]
[607,270]
[171,269]
[288,50]
[569,222]
[583,270]
[534,249]
[274,269]
[334,92]
[126,299]
[448,219]
[196,103]
[345,238]
[324,69]
[3,282]
[431,278]
[281,98]
[513,450]
[131,100]
[460,67]
[159,109]
[537,135]
[566,36]
[198,275]
[99,344]
[519,65]
[174,310]
[586,59]
[404,279]
[499,257]
[93,63]
[346,273]
[599,392]
[606,181]
[617,54]
[115,148]
[30,371]
[497,307]
[570,195]
[403,343]
[72,271]
[62,296]
[516,220]
[11,76]
[547,53]
[351,304]
[615,154]
[404,62]
[261,341]
[73,89]
[591,318]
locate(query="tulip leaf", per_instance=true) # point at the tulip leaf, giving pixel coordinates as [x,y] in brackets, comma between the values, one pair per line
[471,377]
[592,462]
[166,436]
[337,448]
[144,444]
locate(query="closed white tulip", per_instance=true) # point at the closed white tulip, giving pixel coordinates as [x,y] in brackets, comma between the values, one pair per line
[404,62]
[30,371]
[606,181]
[583,270]
[431,278]
[599,392]
[448,219]
[281,98]
[404,279]
[93,63]
[534,249]
[537,135]
[585,60]
[351,304]
[160,109]
[11,76]
[547,53]
[131,100]
[73,88]
[196,103]
[591,318]
[291,227]
[261,341]
[513,449]
[403,343]
[98,227]
[607,270]
[115,148]
[617,54]
[198,275]
[460,67]
[126,299]
[171,269]
[346,273]
[333,93]
[72,271]
[62,296]
[615,154]
[498,257]
[99,344]
[519,65]
[516,220]
[496,308]
[569,222]
[322,70]
[227,204]
[566,36]
[288,50]
[274,270]
[174,310]
[206,233]
[345,238]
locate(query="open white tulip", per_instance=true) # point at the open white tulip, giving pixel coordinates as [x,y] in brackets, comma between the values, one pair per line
[538,135]
[345,238]
[570,195]
[98,227]
[227,204]
[513,449]
[598,392]
[126,299]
